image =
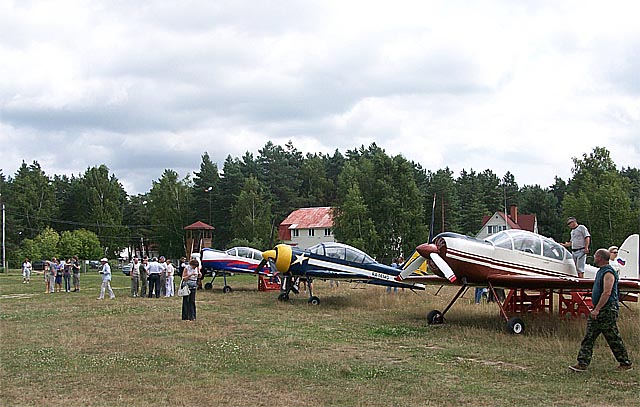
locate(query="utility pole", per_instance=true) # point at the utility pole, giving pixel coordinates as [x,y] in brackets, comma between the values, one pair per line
[208,191]
[4,256]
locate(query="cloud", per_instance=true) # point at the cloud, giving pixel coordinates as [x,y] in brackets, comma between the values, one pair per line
[506,85]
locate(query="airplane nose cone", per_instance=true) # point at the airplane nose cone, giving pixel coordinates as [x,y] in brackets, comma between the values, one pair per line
[426,249]
[269,254]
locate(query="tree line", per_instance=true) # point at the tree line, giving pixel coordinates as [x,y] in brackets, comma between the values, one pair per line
[382,204]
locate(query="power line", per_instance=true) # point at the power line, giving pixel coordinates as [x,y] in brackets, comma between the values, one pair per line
[68,222]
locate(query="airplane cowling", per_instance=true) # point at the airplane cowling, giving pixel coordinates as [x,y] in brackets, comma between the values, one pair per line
[436,262]
[281,256]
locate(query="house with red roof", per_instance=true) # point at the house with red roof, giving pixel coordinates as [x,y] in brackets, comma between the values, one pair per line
[306,227]
[499,222]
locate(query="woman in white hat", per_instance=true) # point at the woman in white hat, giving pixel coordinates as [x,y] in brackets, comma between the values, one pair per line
[106,279]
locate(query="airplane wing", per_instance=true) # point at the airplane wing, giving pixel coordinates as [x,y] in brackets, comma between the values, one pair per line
[428,279]
[529,282]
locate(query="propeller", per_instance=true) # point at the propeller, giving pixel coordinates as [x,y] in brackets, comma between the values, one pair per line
[444,267]
[430,250]
[412,265]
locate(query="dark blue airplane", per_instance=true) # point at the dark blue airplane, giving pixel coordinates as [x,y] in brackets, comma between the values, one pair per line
[329,261]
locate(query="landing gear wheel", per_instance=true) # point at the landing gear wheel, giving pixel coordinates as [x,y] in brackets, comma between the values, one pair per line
[314,300]
[434,317]
[226,289]
[208,286]
[283,297]
[515,326]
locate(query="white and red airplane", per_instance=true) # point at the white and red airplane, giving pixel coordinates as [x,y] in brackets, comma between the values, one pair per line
[511,259]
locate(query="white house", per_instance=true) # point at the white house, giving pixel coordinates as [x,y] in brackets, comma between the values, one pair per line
[499,221]
[306,227]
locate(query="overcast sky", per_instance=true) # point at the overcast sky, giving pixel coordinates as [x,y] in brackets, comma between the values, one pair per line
[519,86]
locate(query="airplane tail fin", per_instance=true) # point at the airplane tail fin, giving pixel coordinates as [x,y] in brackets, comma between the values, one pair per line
[628,257]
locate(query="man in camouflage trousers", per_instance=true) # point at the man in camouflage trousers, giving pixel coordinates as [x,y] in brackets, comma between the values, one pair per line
[602,319]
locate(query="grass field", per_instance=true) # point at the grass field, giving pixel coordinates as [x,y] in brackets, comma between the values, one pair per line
[359,347]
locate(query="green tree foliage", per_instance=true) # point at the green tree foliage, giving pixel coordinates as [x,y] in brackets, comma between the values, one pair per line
[170,201]
[30,200]
[382,203]
[542,203]
[391,200]
[278,169]
[99,200]
[42,246]
[472,202]
[442,185]
[80,242]
[352,223]
[231,184]
[599,198]
[316,187]
[137,217]
[206,184]
[251,214]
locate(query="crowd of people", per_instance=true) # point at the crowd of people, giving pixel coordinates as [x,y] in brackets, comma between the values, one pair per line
[57,273]
[155,277]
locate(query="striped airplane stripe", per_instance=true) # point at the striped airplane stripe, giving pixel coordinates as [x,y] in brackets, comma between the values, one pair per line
[503,265]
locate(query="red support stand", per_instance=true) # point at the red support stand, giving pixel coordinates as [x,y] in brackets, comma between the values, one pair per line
[266,285]
[573,304]
[521,301]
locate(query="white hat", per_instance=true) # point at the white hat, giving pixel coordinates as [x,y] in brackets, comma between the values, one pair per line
[104,259]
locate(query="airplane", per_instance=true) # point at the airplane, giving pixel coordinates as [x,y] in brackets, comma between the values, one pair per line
[329,261]
[234,260]
[509,259]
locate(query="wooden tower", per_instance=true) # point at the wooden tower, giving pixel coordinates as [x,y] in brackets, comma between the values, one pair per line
[199,235]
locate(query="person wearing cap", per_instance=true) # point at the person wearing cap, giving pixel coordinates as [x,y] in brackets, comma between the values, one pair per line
[106,279]
[579,244]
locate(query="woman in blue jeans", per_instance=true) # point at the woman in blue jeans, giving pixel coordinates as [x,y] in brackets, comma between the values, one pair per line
[190,276]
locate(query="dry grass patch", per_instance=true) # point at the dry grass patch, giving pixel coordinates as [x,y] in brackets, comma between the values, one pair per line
[359,347]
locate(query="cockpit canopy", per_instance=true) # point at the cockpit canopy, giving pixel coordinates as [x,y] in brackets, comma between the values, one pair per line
[247,252]
[524,241]
[341,251]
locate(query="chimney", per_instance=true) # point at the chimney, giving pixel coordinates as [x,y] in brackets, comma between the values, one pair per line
[513,213]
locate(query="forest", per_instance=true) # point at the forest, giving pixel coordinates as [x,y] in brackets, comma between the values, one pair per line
[382,204]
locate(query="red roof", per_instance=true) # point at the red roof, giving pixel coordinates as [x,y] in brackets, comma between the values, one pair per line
[198,226]
[309,218]
[305,218]
[525,222]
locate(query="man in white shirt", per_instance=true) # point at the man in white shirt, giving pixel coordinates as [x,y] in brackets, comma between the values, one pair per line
[580,241]
[106,279]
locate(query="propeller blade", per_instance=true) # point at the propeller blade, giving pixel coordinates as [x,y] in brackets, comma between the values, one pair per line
[412,266]
[444,267]
[261,265]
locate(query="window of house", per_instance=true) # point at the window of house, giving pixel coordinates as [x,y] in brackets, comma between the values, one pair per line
[327,232]
[295,233]
[312,232]
[491,229]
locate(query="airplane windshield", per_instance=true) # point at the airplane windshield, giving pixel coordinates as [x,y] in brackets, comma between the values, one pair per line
[528,242]
[342,252]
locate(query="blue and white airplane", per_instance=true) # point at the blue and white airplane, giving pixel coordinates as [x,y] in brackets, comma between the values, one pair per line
[329,261]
